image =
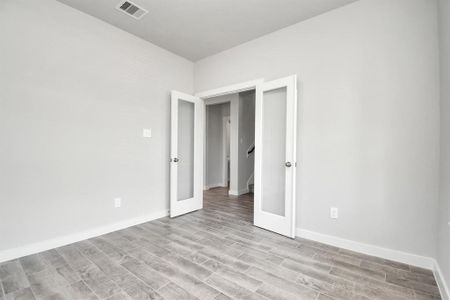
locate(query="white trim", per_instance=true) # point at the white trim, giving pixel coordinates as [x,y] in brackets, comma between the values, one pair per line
[230,89]
[395,255]
[440,279]
[215,101]
[238,192]
[227,90]
[45,245]
[212,186]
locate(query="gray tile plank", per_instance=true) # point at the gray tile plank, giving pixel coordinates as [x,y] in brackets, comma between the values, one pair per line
[53,258]
[13,277]
[187,266]
[182,279]
[2,292]
[222,297]
[275,293]
[329,286]
[225,259]
[143,272]
[73,257]
[47,283]
[33,263]
[288,286]
[231,289]
[233,275]
[379,293]
[22,294]
[421,271]
[98,282]
[133,286]
[78,290]
[406,281]
[359,271]
[172,291]
[258,254]
[121,296]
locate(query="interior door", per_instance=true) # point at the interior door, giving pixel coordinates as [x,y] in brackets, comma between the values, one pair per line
[186,161]
[275,151]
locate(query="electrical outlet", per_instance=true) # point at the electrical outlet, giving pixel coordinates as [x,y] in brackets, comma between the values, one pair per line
[334,213]
[147,132]
[117,202]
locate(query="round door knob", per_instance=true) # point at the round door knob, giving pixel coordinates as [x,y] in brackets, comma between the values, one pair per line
[175,159]
[288,164]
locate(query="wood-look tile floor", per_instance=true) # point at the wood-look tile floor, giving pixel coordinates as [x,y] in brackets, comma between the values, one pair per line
[214,253]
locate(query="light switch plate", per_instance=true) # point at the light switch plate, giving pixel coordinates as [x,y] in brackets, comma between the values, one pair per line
[334,213]
[147,132]
[117,202]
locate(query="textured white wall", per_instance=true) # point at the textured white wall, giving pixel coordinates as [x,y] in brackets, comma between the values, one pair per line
[75,95]
[444,209]
[368,136]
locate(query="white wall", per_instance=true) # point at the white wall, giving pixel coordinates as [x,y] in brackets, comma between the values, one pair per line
[368,135]
[444,208]
[246,139]
[234,144]
[214,143]
[75,95]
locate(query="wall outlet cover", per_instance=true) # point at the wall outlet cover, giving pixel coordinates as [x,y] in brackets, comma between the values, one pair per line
[147,132]
[117,202]
[334,213]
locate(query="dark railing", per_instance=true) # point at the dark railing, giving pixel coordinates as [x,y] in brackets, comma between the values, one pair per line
[251,150]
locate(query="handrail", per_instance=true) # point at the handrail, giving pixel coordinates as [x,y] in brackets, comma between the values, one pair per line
[250,150]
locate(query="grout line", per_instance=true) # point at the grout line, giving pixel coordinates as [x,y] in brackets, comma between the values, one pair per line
[2,290]
[89,288]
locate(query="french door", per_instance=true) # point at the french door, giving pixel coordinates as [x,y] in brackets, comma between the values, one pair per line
[275,155]
[186,161]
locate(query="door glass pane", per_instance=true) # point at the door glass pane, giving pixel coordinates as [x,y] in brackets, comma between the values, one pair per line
[185,187]
[274,151]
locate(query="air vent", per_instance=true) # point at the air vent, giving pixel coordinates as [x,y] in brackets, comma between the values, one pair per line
[132,9]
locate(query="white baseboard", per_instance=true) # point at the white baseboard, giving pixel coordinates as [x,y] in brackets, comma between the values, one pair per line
[395,255]
[238,192]
[443,287]
[211,186]
[33,248]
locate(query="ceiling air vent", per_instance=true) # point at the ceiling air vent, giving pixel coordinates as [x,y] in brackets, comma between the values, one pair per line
[132,9]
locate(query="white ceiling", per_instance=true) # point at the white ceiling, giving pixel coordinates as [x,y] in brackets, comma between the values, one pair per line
[196,29]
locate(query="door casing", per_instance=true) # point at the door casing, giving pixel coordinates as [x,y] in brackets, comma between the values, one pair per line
[258,85]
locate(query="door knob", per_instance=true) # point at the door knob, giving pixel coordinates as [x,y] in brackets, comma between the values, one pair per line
[288,164]
[175,159]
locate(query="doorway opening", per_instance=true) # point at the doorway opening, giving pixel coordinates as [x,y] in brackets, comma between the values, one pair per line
[229,150]
[273,149]
[230,142]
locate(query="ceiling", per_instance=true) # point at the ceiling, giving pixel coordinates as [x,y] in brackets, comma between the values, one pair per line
[196,29]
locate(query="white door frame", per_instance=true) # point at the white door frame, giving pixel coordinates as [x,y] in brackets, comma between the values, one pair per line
[226,90]
[232,89]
